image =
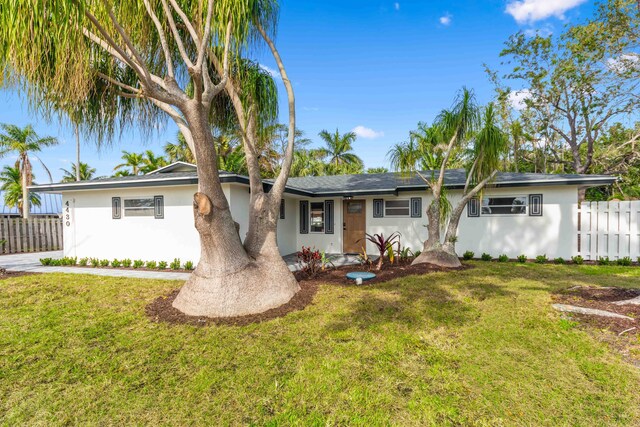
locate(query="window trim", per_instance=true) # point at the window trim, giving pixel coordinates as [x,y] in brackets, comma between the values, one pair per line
[523,196]
[384,206]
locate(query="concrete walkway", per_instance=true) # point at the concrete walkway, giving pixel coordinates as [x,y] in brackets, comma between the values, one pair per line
[30,262]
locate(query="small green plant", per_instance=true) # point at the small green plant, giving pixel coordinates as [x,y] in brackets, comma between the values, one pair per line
[83,262]
[104,263]
[45,261]
[162,265]
[126,263]
[151,265]
[626,261]
[416,254]
[468,255]
[116,263]
[485,257]
[541,259]
[188,265]
[503,258]
[175,264]
[405,254]
[138,263]
[559,260]
[522,258]
[577,260]
[69,260]
[56,262]
[604,260]
[326,261]
[95,262]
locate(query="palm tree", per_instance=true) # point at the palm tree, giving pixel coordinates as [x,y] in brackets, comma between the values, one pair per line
[180,151]
[339,151]
[133,162]
[12,187]
[436,148]
[24,142]
[85,173]
[378,169]
[152,162]
[308,163]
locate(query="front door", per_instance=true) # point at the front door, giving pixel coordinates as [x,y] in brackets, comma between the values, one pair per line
[354,226]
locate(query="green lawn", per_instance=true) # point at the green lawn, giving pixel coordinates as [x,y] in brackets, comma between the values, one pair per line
[476,347]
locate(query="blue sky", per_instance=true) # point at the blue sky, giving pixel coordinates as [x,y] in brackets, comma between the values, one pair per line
[377,66]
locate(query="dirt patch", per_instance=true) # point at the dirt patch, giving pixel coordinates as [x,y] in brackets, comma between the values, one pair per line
[161,310]
[12,274]
[620,334]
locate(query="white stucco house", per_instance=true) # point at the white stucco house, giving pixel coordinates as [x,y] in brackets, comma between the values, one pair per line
[150,216]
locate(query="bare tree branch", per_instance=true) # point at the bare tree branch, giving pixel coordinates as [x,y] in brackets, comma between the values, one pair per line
[176,34]
[163,39]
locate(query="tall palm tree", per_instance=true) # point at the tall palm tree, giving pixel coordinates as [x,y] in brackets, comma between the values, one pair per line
[84,173]
[12,187]
[179,151]
[339,149]
[133,162]
[151,162]
[436,148]
[24,142]
[308,163]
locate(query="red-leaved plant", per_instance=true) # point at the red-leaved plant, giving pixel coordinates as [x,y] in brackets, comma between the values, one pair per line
[382,244]
[310,261]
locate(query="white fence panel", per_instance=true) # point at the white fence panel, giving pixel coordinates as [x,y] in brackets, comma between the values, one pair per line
[609,229]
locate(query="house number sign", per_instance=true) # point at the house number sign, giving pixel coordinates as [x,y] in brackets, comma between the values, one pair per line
[67,213]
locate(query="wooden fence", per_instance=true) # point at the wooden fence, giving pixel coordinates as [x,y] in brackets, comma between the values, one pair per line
[30,235]
[609,229]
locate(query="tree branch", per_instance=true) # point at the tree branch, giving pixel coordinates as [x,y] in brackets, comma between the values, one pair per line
[176,34]
[163,39]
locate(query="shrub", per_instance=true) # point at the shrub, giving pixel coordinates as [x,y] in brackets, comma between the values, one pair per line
[188,265]
[104,263]
[45,261]
[56,262]
[95,262]
[310,261]
[468,255]
[126,263]
[138,263]
[541,259]
[68,261]
[522,258]
[383,245]
[83,262]
[559,260]
[604,260]
[626,261]
[416,254]
[485,257]
[151,265]
[162,265]
[578,260]
[405,253]
[175,264]
[116,263]
[503,258]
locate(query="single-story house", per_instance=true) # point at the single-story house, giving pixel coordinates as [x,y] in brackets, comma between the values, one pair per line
[150,216]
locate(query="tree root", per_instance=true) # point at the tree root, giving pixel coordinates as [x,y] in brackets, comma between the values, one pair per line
[589,311]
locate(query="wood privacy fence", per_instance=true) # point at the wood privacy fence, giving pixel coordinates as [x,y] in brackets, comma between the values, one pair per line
[609,229]
[30,235]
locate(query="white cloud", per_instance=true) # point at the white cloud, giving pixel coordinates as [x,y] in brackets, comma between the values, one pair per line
[446,19]
[396,6]
[545,31]
[517,98]
[271,71]
[367,133]
[529,11]
[624,63]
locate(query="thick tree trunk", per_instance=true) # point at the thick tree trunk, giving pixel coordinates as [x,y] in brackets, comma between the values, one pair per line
[434,252]
[229,279]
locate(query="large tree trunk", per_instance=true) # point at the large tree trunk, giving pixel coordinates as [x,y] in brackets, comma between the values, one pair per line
[434,252]
[229,280]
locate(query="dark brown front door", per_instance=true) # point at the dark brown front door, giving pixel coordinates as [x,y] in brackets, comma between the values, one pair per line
[355,221]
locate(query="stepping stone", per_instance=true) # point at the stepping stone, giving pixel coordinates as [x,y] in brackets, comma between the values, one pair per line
[589,311]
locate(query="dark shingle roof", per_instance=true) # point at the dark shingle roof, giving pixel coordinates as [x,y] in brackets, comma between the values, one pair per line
[364,184]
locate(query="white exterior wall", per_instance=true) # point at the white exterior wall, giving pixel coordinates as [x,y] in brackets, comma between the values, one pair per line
[287,227]
[329,243]
[553,234]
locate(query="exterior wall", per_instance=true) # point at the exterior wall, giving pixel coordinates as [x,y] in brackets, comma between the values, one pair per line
[329,243]
[553,234]
[287,227]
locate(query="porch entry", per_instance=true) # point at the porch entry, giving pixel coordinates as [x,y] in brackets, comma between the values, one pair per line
[354,226]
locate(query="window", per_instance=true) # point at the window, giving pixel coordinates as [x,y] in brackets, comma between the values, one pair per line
[139,207]
[397,207]
[504,205]
[317,217]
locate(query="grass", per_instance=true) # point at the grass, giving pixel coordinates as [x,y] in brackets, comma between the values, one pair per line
[477,347]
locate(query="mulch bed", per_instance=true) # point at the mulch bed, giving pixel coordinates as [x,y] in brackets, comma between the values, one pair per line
[12,274]
[602,299]
[161,310]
